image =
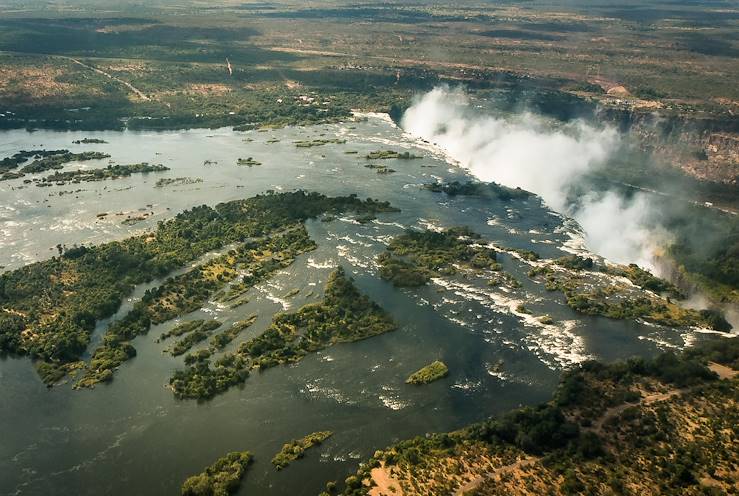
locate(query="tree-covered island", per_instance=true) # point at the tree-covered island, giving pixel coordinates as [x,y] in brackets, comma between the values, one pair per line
[295,449]
[48,309]
[344,315]
[220,479]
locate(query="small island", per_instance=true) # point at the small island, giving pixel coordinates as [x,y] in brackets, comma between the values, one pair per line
[51,318]
[380,169]
[432,372]
[222,339]
[220,479]
[248,162]
[195,336]
[414,258]
[176,181]
[391,154]
[318,142]
[109,172]
[43,160]
[295,449]
[589,291]
[182,328]
[90,141]
[493,191]
[343,316]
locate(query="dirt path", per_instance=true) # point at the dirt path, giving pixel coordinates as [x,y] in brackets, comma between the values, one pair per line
[722,371]
[475,483]
[386,484]
[614,411]
[128,85]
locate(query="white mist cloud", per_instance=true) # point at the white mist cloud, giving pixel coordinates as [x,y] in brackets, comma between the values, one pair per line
[527,151]
[619,229]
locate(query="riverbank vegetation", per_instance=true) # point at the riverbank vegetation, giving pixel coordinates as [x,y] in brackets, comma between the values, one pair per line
[49,308]
[705,252]
[655,426]
[295,449]
[432,372]
[344,315]
[222,478]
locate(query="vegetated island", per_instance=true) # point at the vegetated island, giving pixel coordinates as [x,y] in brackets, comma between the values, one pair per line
[432,372]
[380,169]
[176,181]
[645,426]
[194,334]
[390,154]
[415,257]
[318,142]
[344,315]
[648,297]
[478,189]
[90,141]
[295,449]
[249,162]
[220,479]
[182,328]
[43,160]
[222,339]
[48,309]
[109,172]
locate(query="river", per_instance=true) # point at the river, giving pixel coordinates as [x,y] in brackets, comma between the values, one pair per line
[133,437]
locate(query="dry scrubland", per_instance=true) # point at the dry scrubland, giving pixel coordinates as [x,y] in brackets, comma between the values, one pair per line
[664,426]
[169,63]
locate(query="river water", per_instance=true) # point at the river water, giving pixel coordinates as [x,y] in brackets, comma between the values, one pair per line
[133,437]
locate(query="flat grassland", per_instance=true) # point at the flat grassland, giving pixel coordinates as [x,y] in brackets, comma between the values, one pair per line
[224,63]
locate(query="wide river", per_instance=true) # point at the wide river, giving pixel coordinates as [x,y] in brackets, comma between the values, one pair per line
[133,437]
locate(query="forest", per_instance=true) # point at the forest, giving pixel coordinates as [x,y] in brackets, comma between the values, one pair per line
[44,160]
[413,258]
[344,315]
[221,478]
[602,432]
[616,301]
[91,175]
[257,258]
[49,308]
[432,372]
[295,449]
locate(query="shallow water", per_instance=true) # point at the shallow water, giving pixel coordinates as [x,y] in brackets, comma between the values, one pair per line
[133,437]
